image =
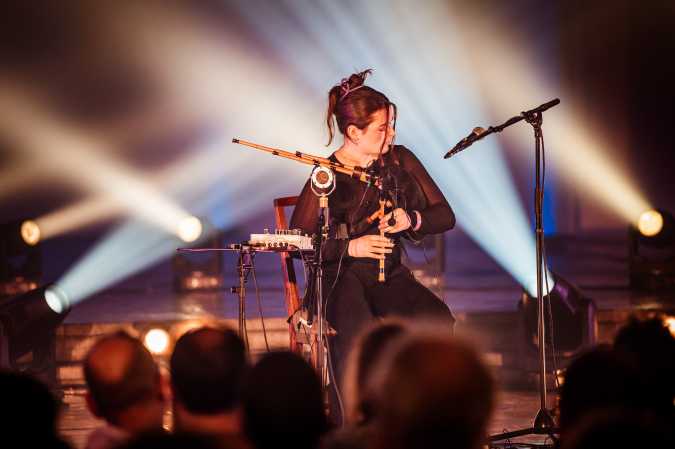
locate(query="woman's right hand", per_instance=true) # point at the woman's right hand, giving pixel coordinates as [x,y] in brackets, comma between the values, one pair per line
[373,246]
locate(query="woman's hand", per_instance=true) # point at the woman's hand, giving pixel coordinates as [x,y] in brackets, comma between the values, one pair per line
[373,246]
[402,221]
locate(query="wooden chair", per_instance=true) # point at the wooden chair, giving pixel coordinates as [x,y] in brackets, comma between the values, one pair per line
[291,296]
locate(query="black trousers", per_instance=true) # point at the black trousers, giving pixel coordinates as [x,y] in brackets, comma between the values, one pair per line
[358,298]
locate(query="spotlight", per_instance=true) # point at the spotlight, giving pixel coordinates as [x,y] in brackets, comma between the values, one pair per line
[199,271]
[650,223]
[190,229]
[572,316]
[655,227]
[651,256]
[157,341]
[30,232]
[20,257]
[19,235]
[27,330]
[670,324]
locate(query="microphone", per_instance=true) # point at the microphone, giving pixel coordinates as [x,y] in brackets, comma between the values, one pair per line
[465,142]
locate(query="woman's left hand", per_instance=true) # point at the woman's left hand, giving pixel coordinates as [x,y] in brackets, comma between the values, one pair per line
[402,221]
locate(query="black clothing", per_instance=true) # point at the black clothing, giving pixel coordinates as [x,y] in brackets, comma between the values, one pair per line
[354,296]
[353,201]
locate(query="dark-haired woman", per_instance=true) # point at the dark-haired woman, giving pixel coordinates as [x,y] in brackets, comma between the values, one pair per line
[353,294]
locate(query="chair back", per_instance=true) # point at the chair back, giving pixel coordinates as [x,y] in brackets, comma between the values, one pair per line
[291,297]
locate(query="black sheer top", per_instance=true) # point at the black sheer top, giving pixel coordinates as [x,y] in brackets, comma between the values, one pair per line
[354,201]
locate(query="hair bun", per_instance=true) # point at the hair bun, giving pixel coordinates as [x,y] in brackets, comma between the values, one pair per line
[354,80]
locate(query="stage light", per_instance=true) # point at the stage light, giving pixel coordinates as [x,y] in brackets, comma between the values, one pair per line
[189,229]
[568,310]
[656,227]
[651,255]
[27,326]
[650,223]
[20,258]
[30,232]
[669,321]
[157,341]
[201,271]
[18,236]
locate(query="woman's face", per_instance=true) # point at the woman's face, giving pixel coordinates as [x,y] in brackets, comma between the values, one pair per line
[369,140]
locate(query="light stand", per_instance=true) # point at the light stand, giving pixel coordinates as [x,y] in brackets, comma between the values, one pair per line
[543,422]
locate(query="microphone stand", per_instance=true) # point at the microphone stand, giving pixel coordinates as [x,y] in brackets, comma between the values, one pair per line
[467,142]
[323,223]
[323,184]
[543,422]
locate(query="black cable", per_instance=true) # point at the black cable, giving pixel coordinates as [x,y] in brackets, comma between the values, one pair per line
[260,311]
[324,304]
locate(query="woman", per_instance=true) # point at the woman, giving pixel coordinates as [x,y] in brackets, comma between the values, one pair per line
[352,293]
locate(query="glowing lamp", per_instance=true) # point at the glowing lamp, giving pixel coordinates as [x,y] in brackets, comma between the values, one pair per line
[157,341]
[651,256]
[190,229]
[30,232]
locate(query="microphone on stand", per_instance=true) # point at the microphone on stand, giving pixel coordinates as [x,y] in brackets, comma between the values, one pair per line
[465,142]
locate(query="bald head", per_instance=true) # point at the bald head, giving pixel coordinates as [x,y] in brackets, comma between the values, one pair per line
[120,372]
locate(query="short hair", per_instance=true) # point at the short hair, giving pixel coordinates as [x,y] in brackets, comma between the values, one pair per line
[434,391]
[598,379]
[650,345]
[281,391]
[136,381]
[31,411]
[207,368]
[370,345]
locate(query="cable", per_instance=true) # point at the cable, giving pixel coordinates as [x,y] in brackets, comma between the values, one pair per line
[260,311]
[324,305]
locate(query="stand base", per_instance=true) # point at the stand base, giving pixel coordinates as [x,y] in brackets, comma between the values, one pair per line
[543,425]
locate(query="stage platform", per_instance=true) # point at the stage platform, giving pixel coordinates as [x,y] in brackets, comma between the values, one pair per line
[481,294]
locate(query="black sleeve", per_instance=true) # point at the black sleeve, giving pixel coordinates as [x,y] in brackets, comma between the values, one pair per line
[306,217]
[438,216]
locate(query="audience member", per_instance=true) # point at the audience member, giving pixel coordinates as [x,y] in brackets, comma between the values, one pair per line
[651,346]
[125,389]
[359,406]
[599,379]
[283,403]
[364,356]
[207,369]
[29,412]
[434,392]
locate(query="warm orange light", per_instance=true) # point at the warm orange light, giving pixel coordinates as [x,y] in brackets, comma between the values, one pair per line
[157,341]
[670,323]
[650,223]
[30,232]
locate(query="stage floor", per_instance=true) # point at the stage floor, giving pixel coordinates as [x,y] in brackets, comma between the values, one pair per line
[471,282]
